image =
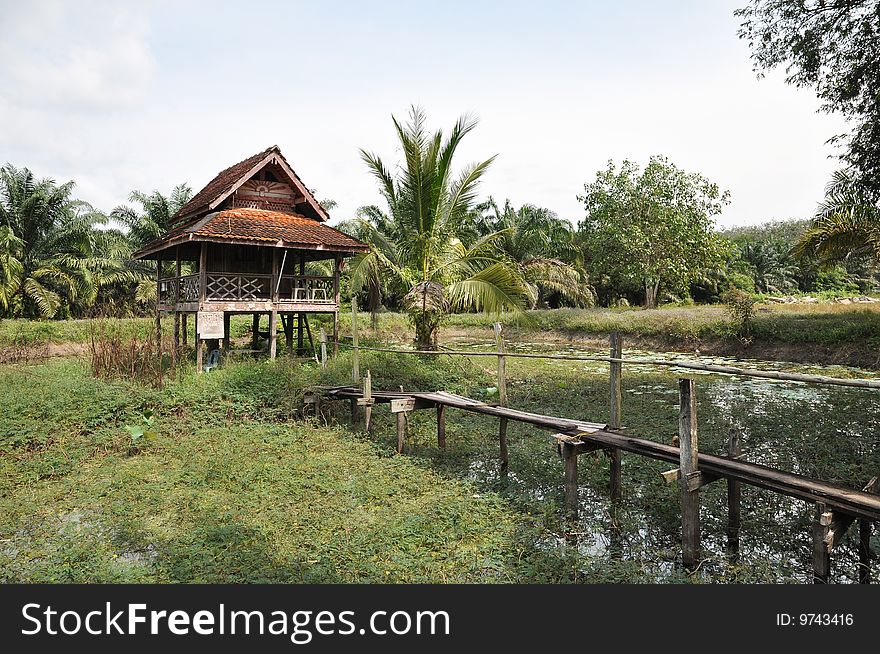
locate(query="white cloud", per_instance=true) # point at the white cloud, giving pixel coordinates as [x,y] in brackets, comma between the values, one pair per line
[66,56]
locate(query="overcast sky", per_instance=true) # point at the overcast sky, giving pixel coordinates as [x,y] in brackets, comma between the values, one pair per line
[144,95]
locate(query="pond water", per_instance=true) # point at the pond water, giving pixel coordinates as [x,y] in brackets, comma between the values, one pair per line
[827,432]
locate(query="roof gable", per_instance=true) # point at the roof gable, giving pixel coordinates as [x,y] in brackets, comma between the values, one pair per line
[231,179]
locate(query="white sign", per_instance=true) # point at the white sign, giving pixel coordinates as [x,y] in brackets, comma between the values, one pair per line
[211,324]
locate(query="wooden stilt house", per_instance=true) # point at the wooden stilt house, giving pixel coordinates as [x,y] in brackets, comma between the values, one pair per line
[246,239]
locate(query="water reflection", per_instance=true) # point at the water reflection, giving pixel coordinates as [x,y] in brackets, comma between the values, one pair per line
[827,432]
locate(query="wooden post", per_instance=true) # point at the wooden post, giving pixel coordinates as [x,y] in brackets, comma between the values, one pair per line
[255,331]
[336,270]
[183,328]
[690,498]
[401,431]
[402,406]
[355,353]
[355,414]
[288,332]
[227,325]
[200,346]
[273,333]
[821,557]
[734,497]
[158,310]
[175,355]
[502,397]
[368,403]
[569,456]
[299,317]
[441,426]
[203,294]
[322,339]
[864,551]
[615,419]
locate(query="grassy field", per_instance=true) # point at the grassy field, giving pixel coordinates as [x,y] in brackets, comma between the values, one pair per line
[824,324]
[236,487]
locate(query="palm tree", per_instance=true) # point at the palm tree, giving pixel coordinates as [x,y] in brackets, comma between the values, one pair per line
[47,246]
[143,225]
[543,247]
[846,223]
[770,265]
[416,244]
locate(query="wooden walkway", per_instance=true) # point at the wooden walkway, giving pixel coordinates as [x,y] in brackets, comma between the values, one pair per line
[837,507]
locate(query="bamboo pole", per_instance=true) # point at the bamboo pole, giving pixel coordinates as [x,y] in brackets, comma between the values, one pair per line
[689,463]
[725,370]
[502,397]
[614,422]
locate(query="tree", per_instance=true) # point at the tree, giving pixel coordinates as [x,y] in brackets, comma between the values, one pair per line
[144,225]
[542,246]
[49,247]
[770,265]
[833,46]
[847,222]
[416,242]
[653,228]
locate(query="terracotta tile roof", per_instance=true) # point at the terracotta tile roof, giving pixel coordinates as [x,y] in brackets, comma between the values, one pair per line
[221,184]
[264,225]
[260,226]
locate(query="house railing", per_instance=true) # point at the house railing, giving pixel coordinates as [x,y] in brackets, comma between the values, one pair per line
[231,287]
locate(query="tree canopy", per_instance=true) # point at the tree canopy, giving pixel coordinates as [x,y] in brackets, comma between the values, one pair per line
[652,229]
[834,47]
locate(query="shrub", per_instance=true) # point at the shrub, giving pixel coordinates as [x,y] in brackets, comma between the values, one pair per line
[741,308]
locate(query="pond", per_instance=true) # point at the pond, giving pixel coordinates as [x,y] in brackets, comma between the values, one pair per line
[826,432]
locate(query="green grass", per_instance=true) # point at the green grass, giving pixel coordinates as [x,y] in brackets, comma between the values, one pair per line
[233,489]
[827,325]
[237,487]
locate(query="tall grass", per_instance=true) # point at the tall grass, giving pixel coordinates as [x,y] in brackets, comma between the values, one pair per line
[137,358]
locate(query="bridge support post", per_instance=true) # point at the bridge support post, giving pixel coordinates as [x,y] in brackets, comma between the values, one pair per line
[441,426]
[402,407]
[690,476]
[734,497]
[615,419]
[864,551]
[502,399]
[569,456]
[821,556]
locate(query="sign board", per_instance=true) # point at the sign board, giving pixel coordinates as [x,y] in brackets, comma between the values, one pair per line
[403,404]
[211,324]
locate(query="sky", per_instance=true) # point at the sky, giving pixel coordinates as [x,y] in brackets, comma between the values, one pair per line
[147,94]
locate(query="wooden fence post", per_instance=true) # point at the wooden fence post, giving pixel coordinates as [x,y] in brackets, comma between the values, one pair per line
[734,497]
[355,352]
[569,456]
[821,556]
[322,339]
[502,397]
[690,491]
[615,420]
